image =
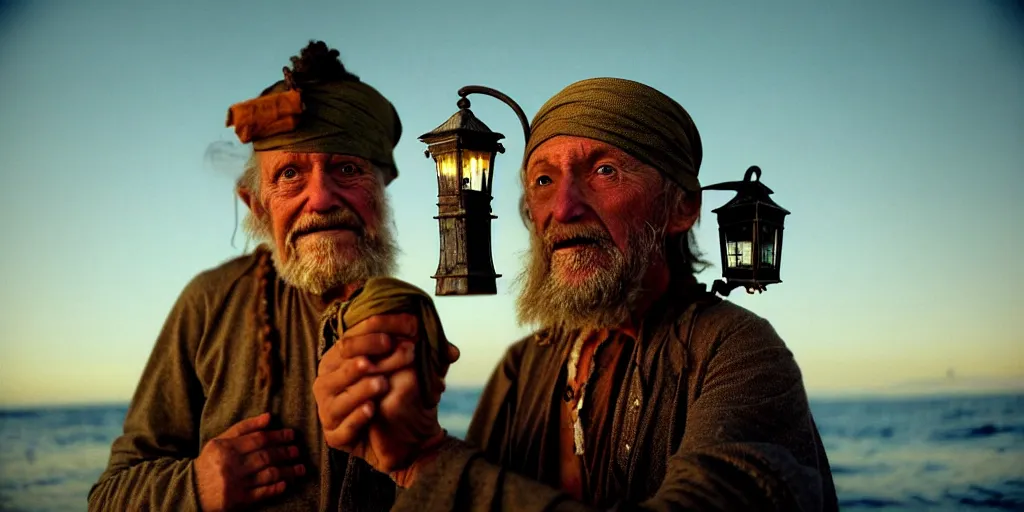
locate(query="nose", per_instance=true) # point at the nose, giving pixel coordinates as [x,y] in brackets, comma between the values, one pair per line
[569,204]
[321,192]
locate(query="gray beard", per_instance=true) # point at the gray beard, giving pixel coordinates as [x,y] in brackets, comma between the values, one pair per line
[605,299]
[318,267]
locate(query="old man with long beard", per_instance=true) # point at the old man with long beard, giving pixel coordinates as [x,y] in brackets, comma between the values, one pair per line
[640,390]
[223,417]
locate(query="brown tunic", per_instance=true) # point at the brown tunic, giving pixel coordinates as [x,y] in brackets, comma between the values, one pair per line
[200,380]
[711,414]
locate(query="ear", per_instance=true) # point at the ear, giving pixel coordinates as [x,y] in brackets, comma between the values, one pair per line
[685,214]
[524,212]
[256,207]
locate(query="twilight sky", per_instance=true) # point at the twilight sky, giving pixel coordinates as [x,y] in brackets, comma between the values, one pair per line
[894,132]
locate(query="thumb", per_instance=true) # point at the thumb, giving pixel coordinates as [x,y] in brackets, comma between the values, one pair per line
[453,353]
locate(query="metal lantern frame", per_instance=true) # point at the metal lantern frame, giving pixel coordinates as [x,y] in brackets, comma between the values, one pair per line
[750,228]
[464,151]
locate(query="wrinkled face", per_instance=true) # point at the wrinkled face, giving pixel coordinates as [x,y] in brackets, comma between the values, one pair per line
[599,219]
[325,217]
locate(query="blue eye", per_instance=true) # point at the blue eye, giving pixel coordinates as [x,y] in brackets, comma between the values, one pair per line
[605,170]
[289,173]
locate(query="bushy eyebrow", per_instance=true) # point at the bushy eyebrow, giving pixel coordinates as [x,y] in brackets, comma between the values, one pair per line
[348,159]
[588,160]
[276,162]
[291,161]
[599,154]
[542,163]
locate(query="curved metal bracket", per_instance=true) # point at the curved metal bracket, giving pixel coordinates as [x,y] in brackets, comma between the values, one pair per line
[480,89]
[738,186]
[724,288]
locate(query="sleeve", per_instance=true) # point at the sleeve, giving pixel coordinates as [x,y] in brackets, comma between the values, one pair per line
[150,466]
[749,444]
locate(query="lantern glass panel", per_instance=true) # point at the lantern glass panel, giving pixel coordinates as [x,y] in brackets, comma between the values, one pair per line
[476,168]
[769,242]
[447,173]
[739,254]
[739,247]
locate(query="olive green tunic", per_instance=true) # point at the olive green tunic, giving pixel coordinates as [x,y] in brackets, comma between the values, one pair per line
[201,379]
[711,415]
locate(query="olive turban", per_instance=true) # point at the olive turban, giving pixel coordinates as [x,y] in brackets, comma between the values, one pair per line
[631,116]
[342,116]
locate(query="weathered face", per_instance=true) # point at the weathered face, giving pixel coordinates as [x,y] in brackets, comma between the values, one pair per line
[325,217]
[599,220]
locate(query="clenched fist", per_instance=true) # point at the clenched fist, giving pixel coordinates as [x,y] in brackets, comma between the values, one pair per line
[246,464]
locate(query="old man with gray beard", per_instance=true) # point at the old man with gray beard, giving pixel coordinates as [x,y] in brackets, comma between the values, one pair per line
[223,416]
[640,390]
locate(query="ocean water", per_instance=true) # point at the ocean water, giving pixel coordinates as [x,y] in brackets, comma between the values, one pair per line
[936,453]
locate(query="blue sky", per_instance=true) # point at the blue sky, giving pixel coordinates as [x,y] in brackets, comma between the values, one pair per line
[894,132]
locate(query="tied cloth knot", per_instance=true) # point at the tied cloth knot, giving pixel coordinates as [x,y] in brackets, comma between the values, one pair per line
[385,295]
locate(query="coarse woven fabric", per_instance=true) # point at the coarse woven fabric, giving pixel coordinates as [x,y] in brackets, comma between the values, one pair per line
[631,116]
[345,117]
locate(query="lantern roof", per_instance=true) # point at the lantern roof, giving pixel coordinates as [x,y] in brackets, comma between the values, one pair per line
[463,122]
[748,191]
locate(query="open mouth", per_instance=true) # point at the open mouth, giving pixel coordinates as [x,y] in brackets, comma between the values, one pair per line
[575,242]
[327,230]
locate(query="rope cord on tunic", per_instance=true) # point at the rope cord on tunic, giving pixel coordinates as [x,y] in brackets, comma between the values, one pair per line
[267,369]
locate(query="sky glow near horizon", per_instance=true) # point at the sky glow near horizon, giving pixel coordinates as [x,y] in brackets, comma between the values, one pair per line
[892,130]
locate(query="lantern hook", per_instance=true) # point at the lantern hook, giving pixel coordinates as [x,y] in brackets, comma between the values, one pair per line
[479,89]
[752,170]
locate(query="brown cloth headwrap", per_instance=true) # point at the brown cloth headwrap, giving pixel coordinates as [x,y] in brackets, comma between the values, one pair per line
[345,117]
[386,295]
[631,116]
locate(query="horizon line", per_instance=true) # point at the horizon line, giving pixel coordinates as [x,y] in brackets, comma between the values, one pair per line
[831,396]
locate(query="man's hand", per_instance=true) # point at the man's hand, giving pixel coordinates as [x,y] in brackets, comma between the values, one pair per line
[246,464]
[348,385]
[354,374]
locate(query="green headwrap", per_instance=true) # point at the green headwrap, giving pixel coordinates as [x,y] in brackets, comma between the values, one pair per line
[345,117]
[629,115]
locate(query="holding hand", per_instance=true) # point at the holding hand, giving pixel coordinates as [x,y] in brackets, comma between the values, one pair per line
[349,384]
[353,375]
[246,464]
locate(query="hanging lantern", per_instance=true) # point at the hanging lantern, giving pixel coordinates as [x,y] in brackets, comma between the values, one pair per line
[750,230]
[464,149]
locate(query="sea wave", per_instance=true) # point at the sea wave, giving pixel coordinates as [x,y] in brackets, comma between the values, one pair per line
[935,453]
